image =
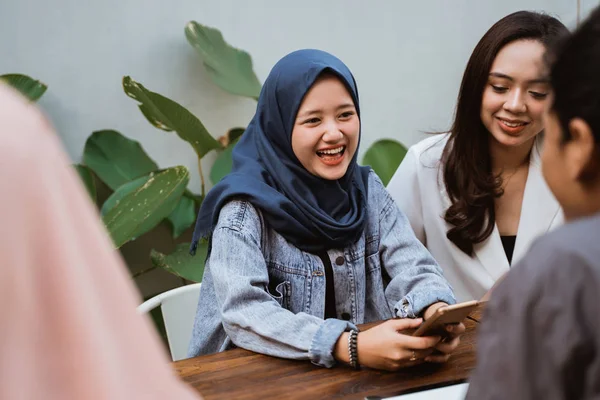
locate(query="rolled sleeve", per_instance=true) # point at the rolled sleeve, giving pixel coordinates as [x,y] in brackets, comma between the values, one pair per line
[324,340]
[415,303]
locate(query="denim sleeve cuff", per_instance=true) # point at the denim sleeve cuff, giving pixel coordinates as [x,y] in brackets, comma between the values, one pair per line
[324,340]
[411,305]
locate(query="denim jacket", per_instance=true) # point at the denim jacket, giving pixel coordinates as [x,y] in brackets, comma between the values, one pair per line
[263,294]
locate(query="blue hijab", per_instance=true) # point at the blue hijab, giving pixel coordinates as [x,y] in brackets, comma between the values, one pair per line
[312,213]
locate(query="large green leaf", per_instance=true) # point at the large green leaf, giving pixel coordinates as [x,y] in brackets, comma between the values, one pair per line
[196,197]
[222,165]
[28,86]
[142,209]
[181,263]
[384,156]
[87,177]
[169,116]
[122,191]
[183,216]
[224,162]
[228,67]
[116,159]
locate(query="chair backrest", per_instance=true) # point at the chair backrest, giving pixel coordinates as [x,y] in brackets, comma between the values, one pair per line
[178,308]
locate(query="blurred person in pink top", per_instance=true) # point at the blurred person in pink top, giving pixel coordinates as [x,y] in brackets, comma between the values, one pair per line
[70,329]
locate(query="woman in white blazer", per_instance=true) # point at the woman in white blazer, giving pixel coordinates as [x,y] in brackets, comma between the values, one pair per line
[475,195]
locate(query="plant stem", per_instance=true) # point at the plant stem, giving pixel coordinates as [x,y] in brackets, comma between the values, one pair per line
[143,272]
[201,175]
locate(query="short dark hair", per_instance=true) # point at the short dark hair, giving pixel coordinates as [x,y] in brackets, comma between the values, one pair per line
[575,76]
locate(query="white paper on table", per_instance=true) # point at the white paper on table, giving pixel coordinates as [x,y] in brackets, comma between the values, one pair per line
[452,392]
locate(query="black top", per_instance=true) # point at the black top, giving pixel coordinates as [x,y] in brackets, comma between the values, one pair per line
[330,311]
[508,242]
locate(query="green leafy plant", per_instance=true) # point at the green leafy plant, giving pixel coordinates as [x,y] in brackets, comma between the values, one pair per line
[143,194]
[384,156]
[29,87]
[227,66]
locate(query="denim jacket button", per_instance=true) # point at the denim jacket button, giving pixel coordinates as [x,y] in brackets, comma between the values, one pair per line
[339,260]
[346,316]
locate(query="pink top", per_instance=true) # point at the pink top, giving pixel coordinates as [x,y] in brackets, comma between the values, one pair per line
[69,325]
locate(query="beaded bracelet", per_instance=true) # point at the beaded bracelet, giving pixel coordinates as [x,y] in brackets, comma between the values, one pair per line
[352,349]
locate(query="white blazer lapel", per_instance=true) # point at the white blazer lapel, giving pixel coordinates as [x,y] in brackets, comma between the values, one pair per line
[539,208]
[490,252]
[491,255]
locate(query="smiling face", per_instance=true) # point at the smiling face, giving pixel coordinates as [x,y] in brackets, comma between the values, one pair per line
[326,131]
[515,96]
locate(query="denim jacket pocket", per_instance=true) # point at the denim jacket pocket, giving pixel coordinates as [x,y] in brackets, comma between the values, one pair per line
[281,294]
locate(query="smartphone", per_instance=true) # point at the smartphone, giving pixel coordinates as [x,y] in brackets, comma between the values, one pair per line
[453,314]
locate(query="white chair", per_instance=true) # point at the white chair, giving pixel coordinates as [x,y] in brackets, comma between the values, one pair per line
[178,308]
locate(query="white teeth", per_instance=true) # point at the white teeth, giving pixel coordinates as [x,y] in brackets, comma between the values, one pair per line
[332,151]
[513,124]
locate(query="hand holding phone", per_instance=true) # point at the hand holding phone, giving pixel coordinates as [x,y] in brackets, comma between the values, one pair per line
[453,314]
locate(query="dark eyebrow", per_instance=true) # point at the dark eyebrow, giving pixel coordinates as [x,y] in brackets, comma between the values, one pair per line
[510,78]
[310,112]
[307,113]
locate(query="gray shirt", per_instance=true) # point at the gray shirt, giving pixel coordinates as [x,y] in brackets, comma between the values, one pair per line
[540,335]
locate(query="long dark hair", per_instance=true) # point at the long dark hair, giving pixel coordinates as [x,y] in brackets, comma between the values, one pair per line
[575,78]
[467,172]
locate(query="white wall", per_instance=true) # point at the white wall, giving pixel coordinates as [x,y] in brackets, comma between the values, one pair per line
[586,6]
[407,56]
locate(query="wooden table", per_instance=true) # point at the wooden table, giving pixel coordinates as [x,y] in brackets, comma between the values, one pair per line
[242,374]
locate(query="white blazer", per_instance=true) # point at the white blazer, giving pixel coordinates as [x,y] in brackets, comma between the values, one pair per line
[418,188]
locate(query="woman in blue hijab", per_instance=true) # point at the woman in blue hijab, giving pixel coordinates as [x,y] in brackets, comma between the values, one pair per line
[304,243]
